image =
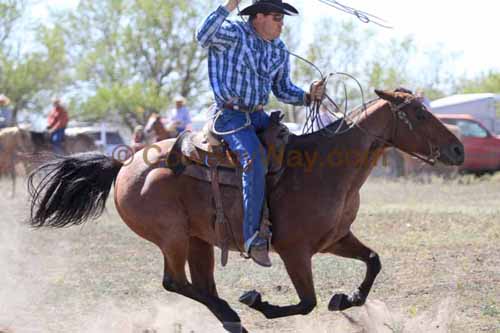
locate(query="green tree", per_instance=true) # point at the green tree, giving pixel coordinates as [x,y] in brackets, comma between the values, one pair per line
[11,11]
[135,55]
[27,77]
[485,83]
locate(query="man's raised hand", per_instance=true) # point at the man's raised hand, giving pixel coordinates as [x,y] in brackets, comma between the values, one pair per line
[232,4]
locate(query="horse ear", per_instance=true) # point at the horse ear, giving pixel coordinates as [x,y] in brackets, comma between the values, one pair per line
[276,116]
[386,95]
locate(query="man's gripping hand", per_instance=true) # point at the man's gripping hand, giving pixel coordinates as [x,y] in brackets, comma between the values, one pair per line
[317,90]
[232,4]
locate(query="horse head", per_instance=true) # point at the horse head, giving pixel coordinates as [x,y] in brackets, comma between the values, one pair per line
[153,123]
[416,131]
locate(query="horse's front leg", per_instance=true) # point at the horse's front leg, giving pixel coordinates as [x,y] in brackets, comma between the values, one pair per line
[299,269]
[13,177]
[351,247]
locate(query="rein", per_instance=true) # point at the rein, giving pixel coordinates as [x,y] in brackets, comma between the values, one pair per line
[398,115]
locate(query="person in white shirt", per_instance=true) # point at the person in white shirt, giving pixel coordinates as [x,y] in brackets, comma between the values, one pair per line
[178,119]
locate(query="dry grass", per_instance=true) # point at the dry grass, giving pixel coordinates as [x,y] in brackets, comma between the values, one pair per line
[438,241]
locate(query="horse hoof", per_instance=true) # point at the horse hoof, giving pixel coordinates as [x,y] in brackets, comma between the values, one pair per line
[356,299]
[233,327]
[339,302]
[250,298]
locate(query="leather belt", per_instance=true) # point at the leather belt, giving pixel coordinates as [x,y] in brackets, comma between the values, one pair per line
[242,108]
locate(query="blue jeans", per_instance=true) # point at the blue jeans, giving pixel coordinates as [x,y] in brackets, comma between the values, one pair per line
[56,138]
[252,155]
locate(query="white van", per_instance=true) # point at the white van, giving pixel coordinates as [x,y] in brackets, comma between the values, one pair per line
[483,107]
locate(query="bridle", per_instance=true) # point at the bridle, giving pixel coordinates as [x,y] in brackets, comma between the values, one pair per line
[401,117]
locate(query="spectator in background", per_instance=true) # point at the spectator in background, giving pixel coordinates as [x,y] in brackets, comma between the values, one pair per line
[138,139]
[5,112]
[178,119]
[56,125]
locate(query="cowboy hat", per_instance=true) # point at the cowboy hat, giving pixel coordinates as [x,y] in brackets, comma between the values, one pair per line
[268,6]
[180,99]
[56,100]
[4,100]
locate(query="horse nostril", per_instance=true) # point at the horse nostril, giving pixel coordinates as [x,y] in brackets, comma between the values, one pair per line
[458,150]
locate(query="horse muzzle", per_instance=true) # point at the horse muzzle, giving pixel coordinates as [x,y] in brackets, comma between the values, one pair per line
[452,154]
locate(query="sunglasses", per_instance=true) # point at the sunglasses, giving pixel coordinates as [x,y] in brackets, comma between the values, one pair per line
[277,17]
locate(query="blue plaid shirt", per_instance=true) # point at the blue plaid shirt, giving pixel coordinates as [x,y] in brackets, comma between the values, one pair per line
[243,68]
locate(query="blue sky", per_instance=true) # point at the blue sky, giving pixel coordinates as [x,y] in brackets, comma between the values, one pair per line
[464,28]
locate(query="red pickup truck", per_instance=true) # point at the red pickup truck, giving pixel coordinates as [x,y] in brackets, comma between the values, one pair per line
[482,148]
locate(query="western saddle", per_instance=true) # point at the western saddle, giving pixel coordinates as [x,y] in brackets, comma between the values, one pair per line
[205,156]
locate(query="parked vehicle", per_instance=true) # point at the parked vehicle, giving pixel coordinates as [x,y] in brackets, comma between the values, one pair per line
[482,148]
[106,138]
[483,107]
[199,120]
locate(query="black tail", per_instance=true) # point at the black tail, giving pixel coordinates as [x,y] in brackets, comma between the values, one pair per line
[71,189]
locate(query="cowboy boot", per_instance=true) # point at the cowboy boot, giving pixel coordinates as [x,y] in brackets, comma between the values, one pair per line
[260,254]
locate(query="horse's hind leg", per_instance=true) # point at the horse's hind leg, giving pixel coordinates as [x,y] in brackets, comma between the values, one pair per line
[351,247]
[201,266]
[300,271]
[175,280]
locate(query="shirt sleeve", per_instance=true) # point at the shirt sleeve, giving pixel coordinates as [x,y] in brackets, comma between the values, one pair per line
[58,118]
[216,31]
[284,89]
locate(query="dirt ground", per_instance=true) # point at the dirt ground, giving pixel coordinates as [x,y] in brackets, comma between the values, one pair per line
[439,243]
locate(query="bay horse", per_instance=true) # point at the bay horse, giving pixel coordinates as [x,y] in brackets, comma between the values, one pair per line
[76,143]
[312,206]
[14,144]
[21,147]
[42,150]
[155,125]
